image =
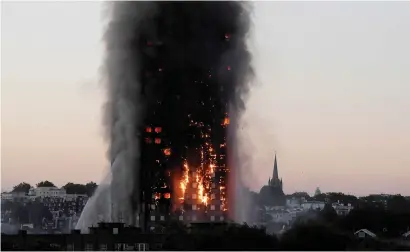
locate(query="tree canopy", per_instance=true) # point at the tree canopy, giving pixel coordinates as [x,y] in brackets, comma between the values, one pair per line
[72,188]
[22,187]
[45,184]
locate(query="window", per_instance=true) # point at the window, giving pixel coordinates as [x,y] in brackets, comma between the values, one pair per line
[167,151]
[162,218]
[158,129]
[194,207]
[212,218]
[152,207]
[148,129]
[115,230]
[194,185]
[193,217]
[181,218]
[167,195]
[89,247]
[221,207]
[157,140]
[142,247]
[193,196]
[212,207]
[213,184]
[103,247]
[152,217]
[70,247]
[221,218]
[213,196]
[148,140]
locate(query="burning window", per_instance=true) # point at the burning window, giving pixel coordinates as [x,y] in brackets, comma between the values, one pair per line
[148,129]
[229,68]
[227,36]
[193,196]
[213,196]
[194,207]
[148,140]
[158,129]
[157,140]
[167,195]
[157,196]
[194,185]
[226,121]
[167,152]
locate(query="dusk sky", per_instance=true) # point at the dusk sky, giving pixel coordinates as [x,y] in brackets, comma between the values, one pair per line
[332,95]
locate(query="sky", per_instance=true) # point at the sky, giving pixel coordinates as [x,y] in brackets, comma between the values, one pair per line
[331,95]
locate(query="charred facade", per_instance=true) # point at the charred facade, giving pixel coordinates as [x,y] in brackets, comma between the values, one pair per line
[188,68]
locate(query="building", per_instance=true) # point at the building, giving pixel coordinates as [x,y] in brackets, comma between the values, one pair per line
[364,233]
[342,209]
[51,191]
[272,194]
[104,237]
[313,205]
[184,170]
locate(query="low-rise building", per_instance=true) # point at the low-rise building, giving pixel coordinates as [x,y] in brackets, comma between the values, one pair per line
[365,233]
[104,237]
[51,191]
[315,205]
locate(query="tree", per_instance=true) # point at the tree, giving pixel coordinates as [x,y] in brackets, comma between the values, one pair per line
[301,195]
[398,204]
[90,188]
[314,236]
[45,184]
[328,214]
[22,187]
[72,188]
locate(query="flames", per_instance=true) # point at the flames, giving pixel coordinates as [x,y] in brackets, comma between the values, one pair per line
[198,183]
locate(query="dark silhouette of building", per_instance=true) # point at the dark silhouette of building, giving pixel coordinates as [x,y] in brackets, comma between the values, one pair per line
[104,237]
[272,194]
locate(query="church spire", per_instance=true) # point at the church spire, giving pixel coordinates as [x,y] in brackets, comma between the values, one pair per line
[275,170]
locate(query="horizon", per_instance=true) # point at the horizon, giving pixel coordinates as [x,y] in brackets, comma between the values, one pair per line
[331,95]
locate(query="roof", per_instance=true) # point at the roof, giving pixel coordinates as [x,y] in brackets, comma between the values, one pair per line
[366,232]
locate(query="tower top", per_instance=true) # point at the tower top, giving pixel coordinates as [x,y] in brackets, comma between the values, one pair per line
[275,176]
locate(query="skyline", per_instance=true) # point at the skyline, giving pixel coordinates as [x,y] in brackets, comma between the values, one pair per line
[331,97]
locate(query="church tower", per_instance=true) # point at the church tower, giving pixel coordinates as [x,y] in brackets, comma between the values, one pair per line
[275,181]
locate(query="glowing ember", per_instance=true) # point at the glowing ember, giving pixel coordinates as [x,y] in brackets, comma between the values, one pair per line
[167,152]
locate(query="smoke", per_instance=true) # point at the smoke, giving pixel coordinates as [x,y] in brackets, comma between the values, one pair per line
[167,63]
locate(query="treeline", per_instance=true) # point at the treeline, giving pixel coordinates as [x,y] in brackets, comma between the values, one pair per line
[71,188]
[326,231]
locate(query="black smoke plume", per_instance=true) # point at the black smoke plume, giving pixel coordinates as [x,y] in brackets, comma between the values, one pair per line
[168,63]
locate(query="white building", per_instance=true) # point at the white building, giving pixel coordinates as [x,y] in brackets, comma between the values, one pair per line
[6,196]
[342,209]
[315,205]
[52,192]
